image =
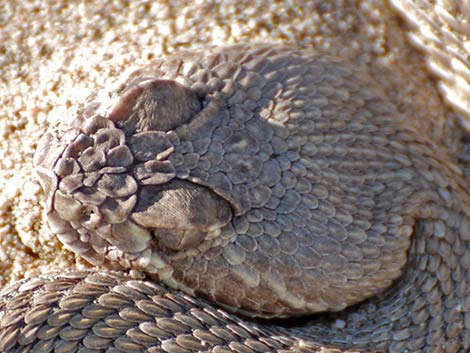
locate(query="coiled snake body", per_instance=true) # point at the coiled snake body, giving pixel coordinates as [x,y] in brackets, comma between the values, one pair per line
[275,182]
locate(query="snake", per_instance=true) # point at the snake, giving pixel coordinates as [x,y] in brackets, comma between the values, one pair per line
[249,198]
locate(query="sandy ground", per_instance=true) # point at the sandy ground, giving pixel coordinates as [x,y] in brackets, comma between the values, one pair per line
[53,53]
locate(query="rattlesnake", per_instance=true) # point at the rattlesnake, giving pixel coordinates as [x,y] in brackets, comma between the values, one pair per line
[273,181]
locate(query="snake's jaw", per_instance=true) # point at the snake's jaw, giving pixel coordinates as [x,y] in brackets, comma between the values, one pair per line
[112,189]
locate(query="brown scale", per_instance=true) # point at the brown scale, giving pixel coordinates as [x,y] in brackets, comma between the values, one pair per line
[273,182]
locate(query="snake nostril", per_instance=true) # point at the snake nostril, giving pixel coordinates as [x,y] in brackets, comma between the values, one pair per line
[86,214]
[89,217]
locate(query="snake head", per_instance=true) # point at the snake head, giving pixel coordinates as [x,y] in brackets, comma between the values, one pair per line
[112,190]
[238,174]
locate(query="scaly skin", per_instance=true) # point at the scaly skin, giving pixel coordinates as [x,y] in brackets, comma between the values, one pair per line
[440,31]
[274,182]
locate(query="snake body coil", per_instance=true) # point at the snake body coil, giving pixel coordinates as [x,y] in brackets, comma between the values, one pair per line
[274,182]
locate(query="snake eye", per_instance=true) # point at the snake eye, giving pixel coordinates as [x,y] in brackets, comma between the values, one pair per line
[178,240]
[180,213]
